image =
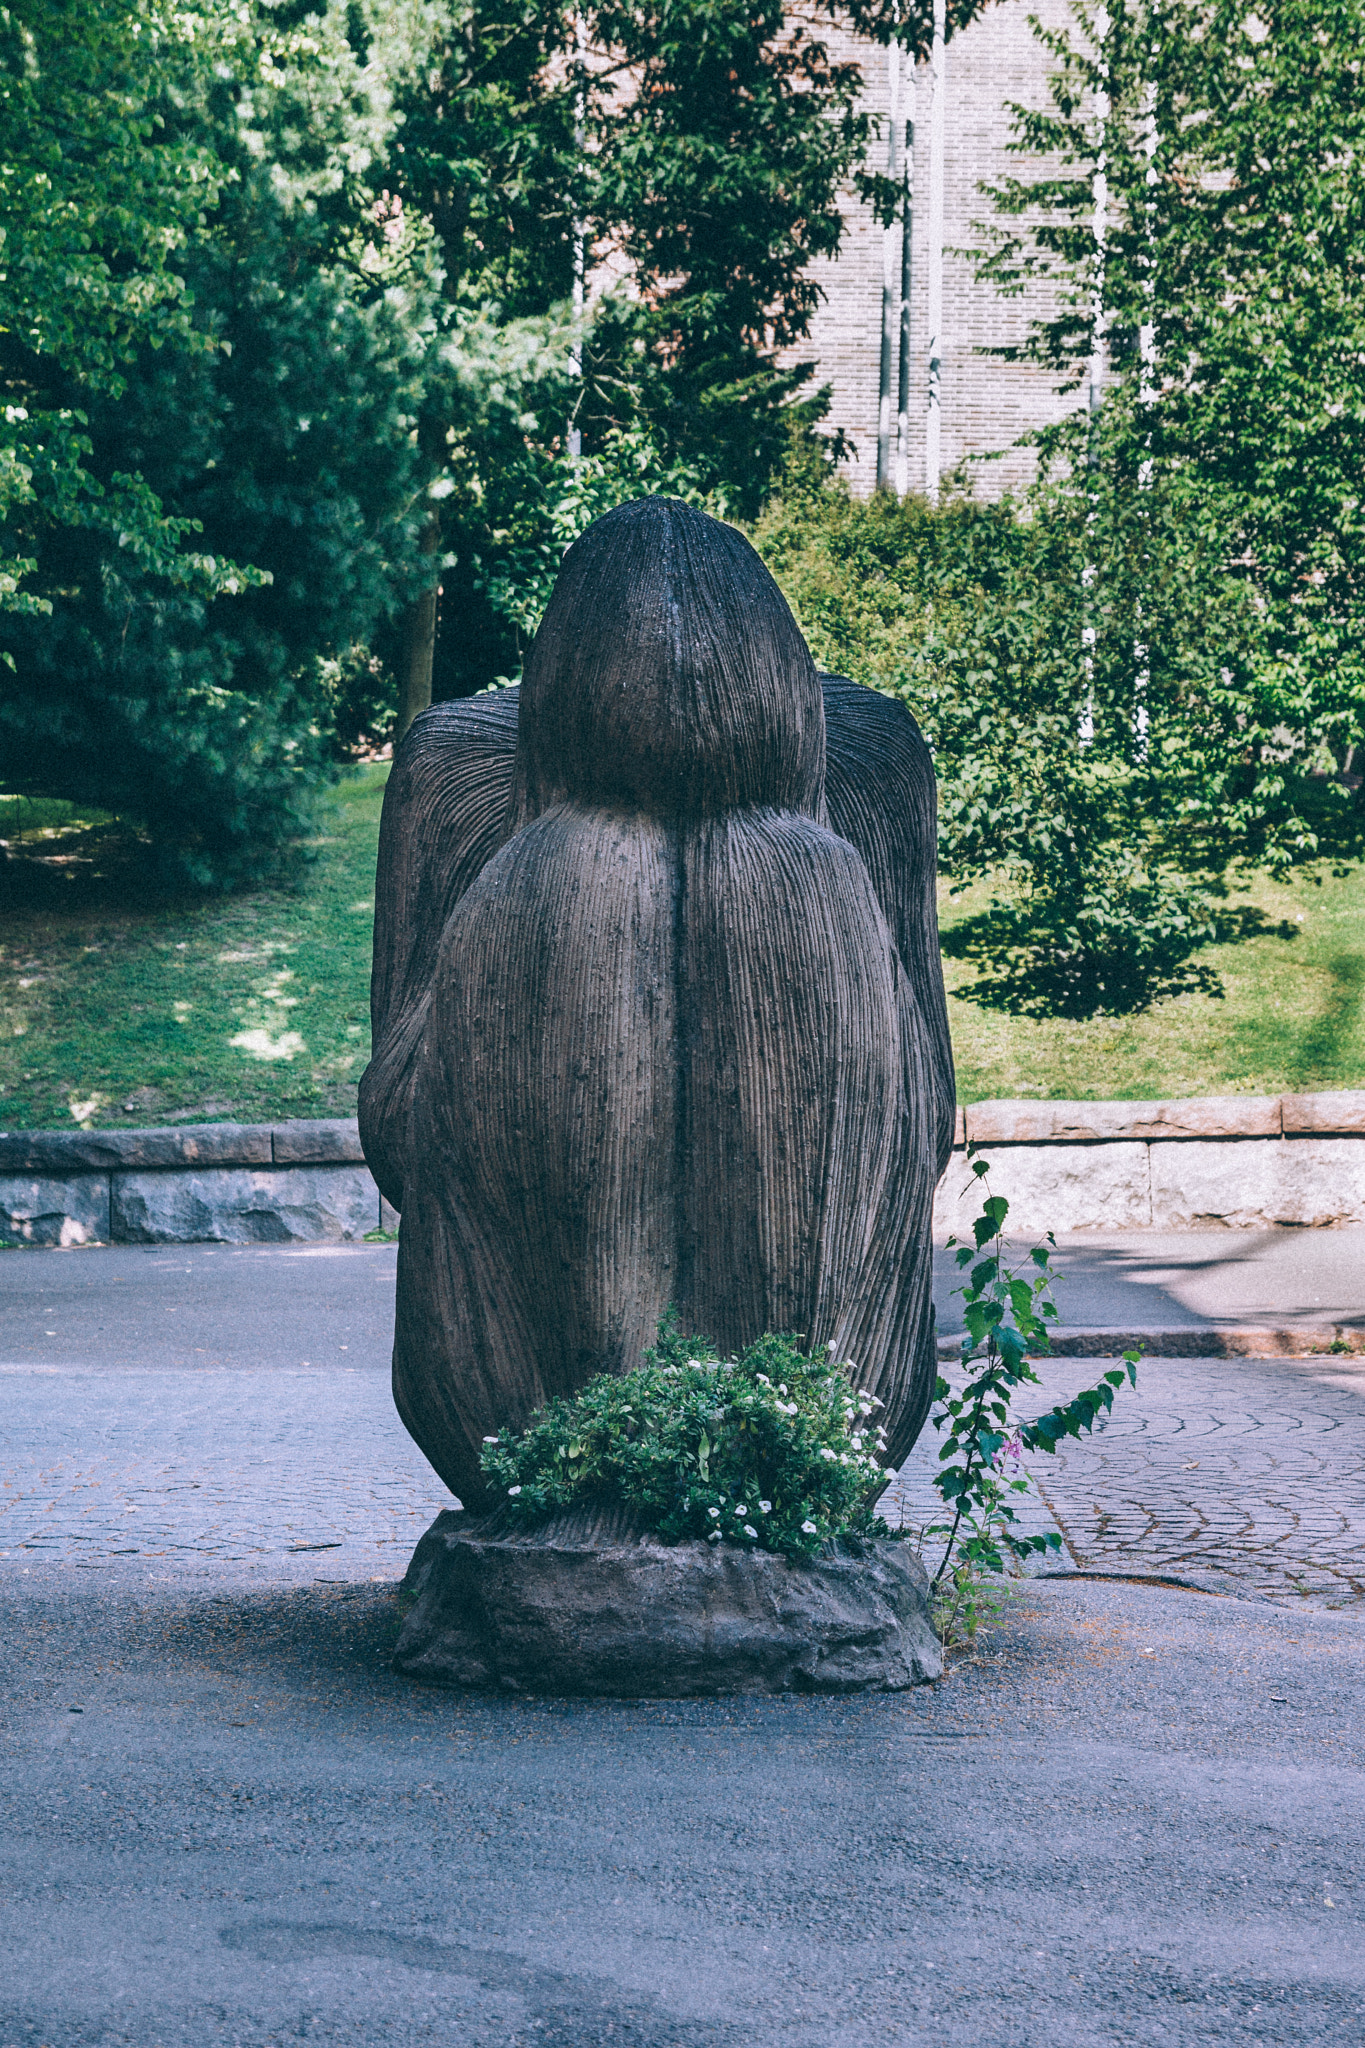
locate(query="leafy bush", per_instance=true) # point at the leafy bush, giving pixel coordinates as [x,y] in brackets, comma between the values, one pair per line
[1114,738]
[246,515]
[775,1450]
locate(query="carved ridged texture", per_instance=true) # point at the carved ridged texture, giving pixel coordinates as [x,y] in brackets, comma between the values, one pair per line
[658,1009]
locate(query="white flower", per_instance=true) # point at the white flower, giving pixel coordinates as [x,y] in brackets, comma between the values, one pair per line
[831,1346]
[514,1490]
[714,1537]
[742,1511]
[714,1513]
[825,1452]
[782,1386]
[809,1528]
[765,1507]
[696,1362]
[749,1530]
[763,1379]
[490,1439]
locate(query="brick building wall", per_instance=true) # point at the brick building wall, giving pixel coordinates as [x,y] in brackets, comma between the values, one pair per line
[986,404]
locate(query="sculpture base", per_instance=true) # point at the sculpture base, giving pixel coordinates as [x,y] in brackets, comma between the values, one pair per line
[589,1604]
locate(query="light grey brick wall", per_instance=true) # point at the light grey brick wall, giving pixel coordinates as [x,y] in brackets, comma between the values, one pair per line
[986,404]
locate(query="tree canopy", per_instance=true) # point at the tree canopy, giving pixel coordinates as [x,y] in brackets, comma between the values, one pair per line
[1207,706]
[288,333]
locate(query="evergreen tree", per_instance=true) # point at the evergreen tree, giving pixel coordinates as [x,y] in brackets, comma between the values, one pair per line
[179,671]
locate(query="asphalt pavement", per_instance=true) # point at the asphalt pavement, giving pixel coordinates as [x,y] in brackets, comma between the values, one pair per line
[1135,1814]
[199,1305]
[1137,1817]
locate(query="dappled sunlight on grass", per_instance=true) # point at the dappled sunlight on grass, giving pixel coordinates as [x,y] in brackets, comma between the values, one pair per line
[119,1005]
[1291,1016]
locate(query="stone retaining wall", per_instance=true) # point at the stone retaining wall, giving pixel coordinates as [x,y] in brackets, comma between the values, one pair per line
[1242,1162]
[1239,1162]
[304,1182]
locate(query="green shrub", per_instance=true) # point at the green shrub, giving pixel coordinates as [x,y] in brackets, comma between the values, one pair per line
[775,1450]
[1116,742]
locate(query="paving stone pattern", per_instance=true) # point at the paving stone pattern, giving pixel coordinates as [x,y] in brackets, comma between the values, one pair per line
[1241,1475]
[274,1474]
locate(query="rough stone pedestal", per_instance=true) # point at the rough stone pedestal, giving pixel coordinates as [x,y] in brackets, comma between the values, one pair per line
[590,1604]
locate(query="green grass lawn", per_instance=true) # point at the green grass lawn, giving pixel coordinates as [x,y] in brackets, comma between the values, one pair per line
[118,1012]
[1291,1018]
[120,1008]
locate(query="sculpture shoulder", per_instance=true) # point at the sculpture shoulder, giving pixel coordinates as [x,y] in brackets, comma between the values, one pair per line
[881,793]
[438,737]
[452,774]
[872,737]
[445,816]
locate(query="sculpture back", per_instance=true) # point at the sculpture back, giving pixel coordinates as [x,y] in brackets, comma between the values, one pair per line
[676,1042]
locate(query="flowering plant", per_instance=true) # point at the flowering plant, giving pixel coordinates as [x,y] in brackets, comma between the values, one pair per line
[774,1450]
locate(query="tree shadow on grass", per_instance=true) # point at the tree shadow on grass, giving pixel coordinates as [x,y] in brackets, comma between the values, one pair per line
[1048,981]
[89,868]
[79,866]
[1236,923]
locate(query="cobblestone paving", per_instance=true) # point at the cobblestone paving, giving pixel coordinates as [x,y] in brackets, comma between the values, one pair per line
[277,1474]
[1243,1474]
[1247,1474]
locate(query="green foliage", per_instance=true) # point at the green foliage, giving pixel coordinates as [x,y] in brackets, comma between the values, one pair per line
[1212,502]
[1233,322]
[285,331]
[700,146]
[1008,1310]
[199,692]
[1113,787]
[775,1450]
[722,139]
[97,198]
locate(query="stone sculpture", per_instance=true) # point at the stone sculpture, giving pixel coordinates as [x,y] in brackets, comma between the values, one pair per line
[658,1010]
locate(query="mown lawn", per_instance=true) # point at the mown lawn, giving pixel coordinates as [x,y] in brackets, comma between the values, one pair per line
[143,1011]
[1291,1018]
[127,1013]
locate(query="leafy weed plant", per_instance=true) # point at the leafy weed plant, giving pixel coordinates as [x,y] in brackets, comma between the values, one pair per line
[1008,1312]
[774,1450]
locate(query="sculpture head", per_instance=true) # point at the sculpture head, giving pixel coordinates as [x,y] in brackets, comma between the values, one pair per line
[668,676]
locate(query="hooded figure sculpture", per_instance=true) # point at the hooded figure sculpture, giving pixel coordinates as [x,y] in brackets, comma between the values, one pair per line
[658,1011]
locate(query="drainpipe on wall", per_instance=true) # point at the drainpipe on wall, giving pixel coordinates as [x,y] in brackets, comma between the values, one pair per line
[934,416]
[1099,227]
[579,258]
[907,252]
[889,268]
